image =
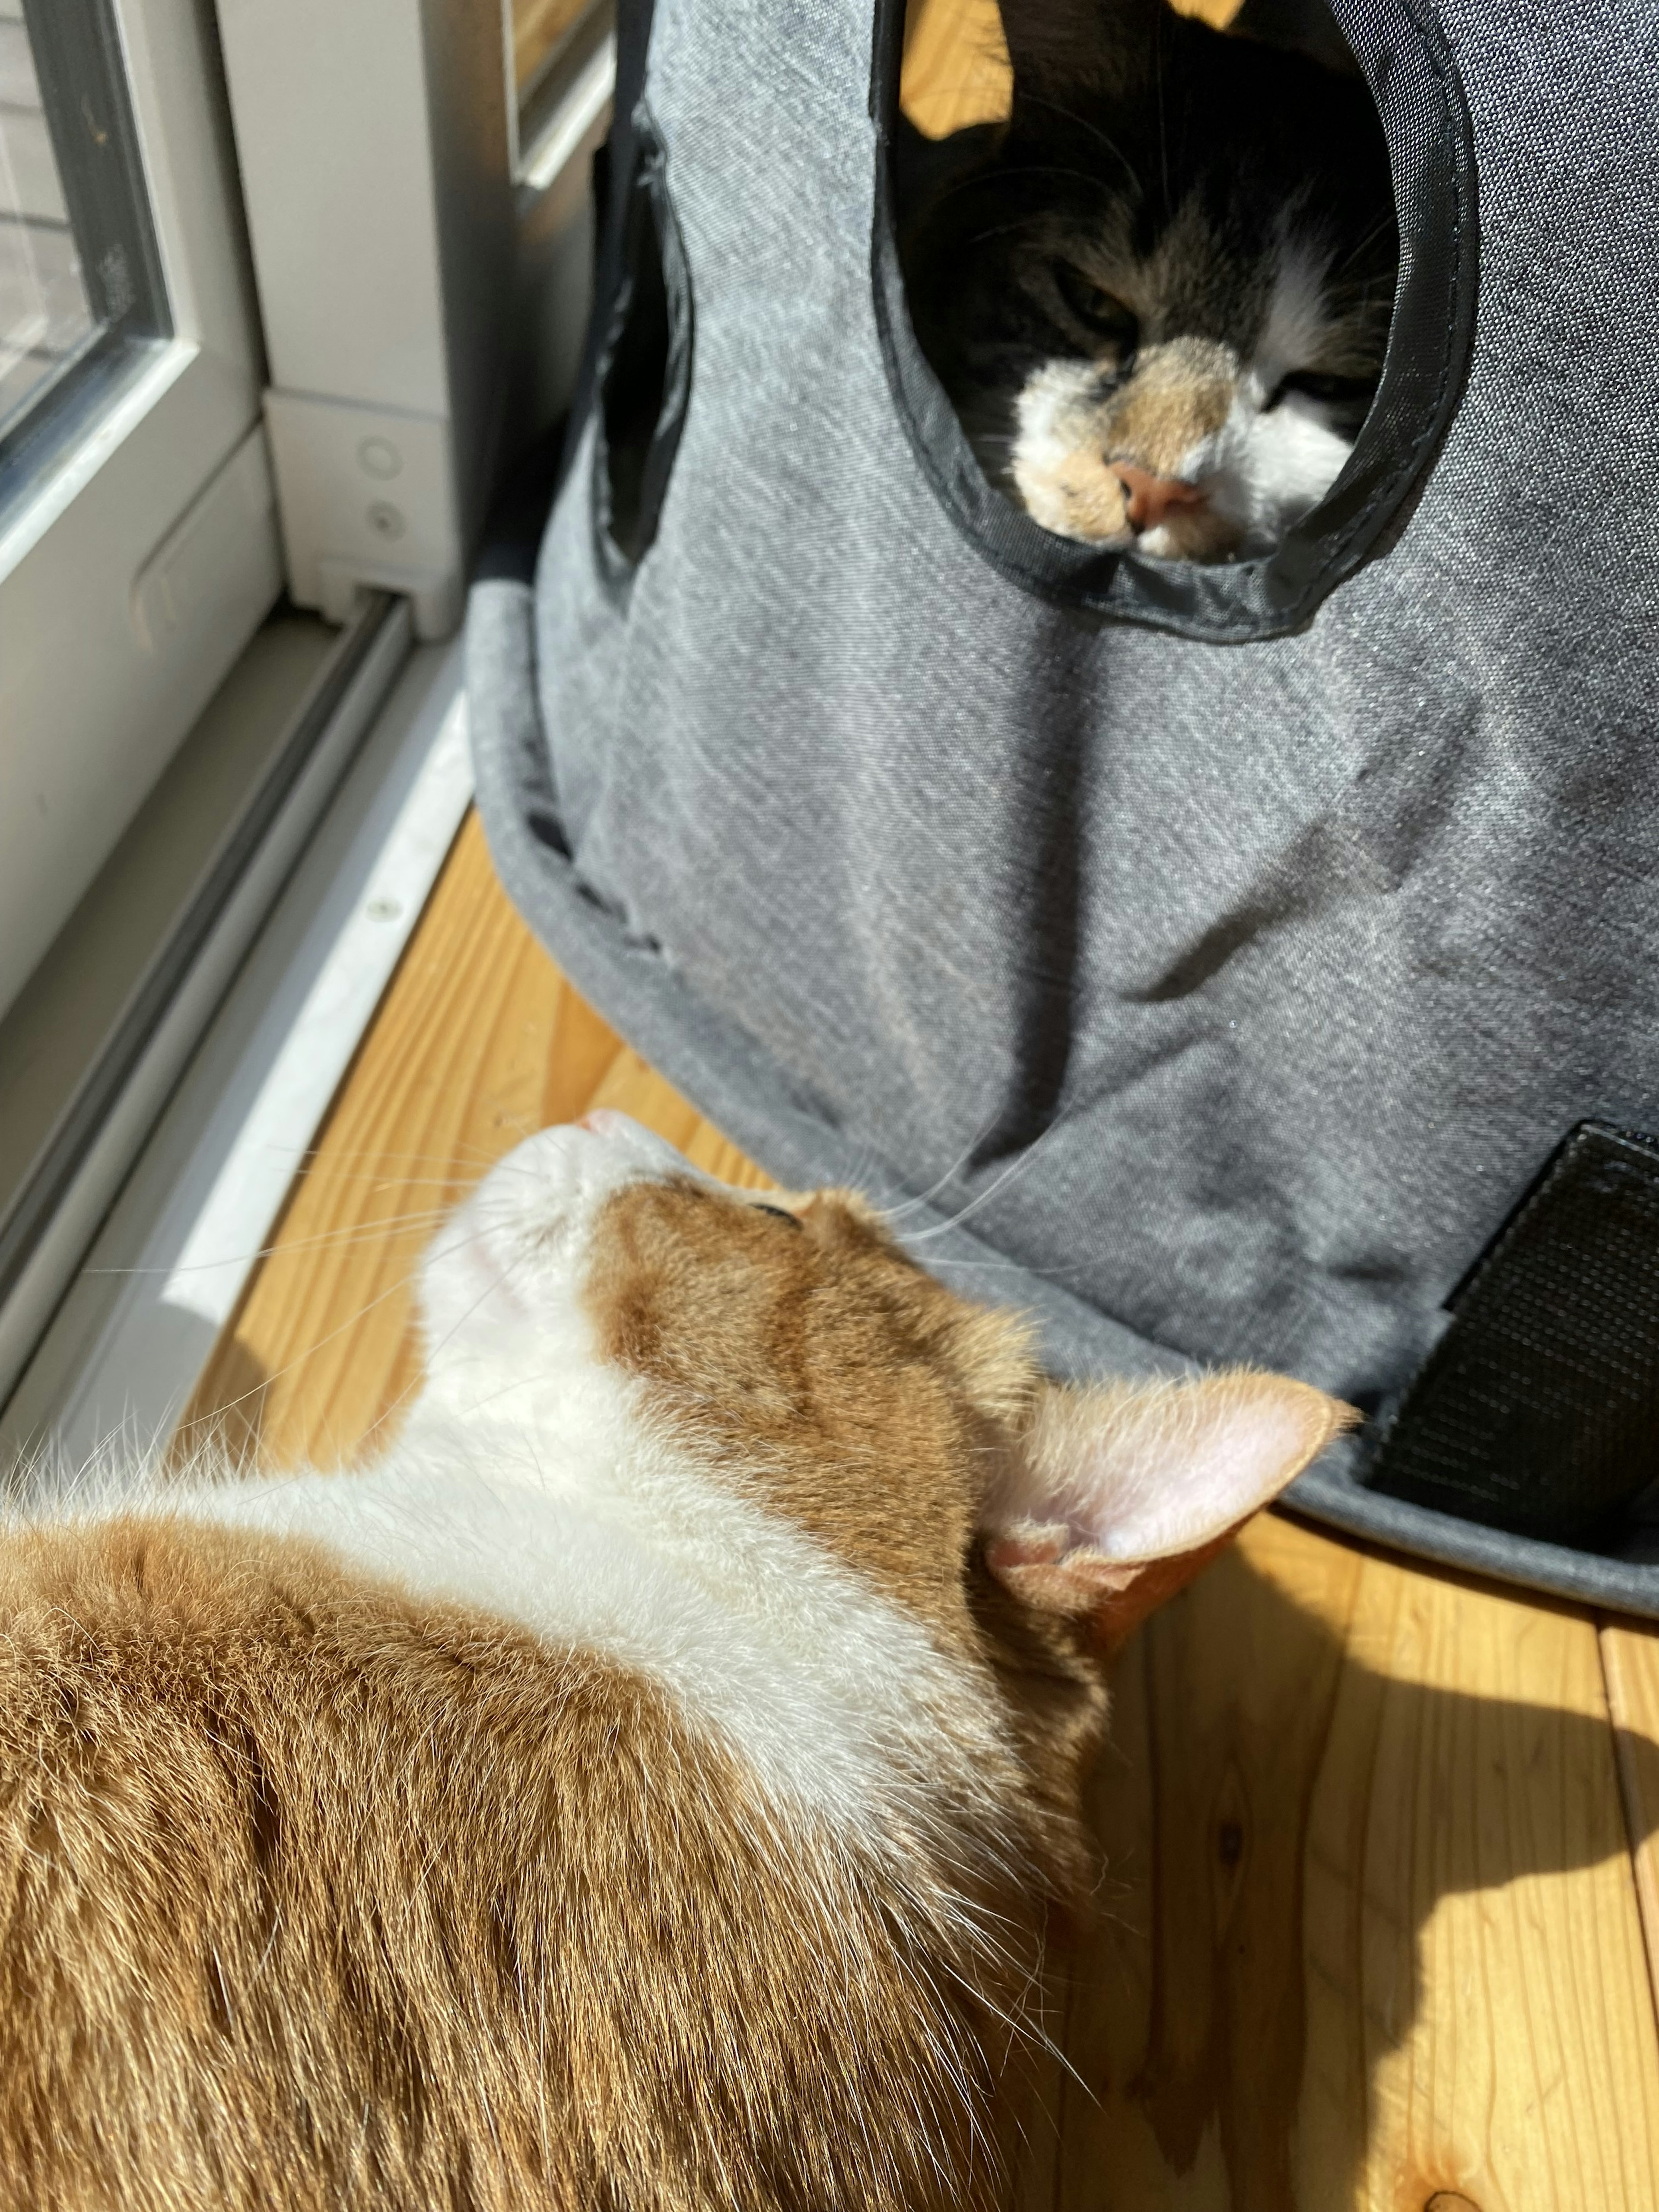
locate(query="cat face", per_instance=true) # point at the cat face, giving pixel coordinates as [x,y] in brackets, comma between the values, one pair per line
[1160,305]
[786,1340]
[787,1349]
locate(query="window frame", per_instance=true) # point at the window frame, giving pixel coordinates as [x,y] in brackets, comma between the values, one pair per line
[136,566]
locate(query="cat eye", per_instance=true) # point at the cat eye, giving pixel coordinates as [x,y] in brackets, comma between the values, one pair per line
[1094,306]
[793,1219]
[1334,391]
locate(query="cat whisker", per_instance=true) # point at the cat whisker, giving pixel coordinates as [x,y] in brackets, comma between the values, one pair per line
[417,1381]
[1003,230]
[924,1198]
[397,1289]
[347,1235]
[1382,225]
[472,1155]
[1082,122]
[942,1264]
[1016,1166]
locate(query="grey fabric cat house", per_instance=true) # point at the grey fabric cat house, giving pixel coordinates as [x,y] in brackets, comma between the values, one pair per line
[1253,962]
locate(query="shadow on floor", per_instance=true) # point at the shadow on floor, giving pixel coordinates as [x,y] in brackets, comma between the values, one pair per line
[1283,1823]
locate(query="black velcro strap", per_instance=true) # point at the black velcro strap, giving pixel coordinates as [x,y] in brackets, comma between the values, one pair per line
[1538,1411]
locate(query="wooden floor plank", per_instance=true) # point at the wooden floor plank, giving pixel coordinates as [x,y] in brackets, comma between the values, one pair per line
[1474,1945]
[1371,1933]
[956,68]
[1630,1661]
[1369,1929]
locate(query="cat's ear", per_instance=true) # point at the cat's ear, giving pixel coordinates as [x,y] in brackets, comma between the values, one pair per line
[1121,1494]
[1063,52]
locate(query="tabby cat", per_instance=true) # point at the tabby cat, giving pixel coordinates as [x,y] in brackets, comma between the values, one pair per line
[1159,295]
[642,1788]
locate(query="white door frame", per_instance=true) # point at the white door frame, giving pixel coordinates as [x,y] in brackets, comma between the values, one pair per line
[135,569]
[375,147]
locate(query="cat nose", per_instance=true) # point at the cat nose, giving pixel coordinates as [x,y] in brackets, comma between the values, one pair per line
[1150,498]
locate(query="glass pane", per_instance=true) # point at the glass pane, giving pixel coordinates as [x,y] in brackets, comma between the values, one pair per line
[46,318]
[82,304]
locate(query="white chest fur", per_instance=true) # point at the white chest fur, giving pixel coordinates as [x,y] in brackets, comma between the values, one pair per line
[598,1539]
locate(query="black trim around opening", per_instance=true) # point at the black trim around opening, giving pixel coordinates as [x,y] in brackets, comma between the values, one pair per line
[1425,122]
[643,372]
[614,167]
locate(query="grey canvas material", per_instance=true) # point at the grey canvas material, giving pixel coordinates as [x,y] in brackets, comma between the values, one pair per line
[1231,993]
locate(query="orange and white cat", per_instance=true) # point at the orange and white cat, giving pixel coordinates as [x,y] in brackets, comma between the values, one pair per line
[644,1788]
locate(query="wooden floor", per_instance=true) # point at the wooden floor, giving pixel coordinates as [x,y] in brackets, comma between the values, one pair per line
[1370,1932]
[1378,1844]
[956,59]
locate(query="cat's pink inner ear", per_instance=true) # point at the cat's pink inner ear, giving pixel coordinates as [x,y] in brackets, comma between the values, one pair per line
[1116,1481]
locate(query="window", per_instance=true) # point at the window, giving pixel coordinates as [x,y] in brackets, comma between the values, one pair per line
[138,548]
[81,299]
[46,318]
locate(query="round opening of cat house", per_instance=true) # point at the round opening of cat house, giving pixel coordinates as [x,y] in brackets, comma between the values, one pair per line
[1175,296]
